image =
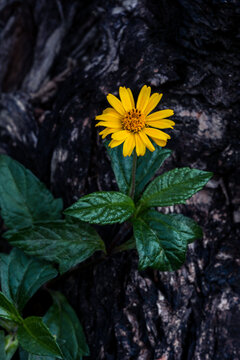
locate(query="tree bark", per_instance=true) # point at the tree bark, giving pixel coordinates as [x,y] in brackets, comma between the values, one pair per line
[58,61]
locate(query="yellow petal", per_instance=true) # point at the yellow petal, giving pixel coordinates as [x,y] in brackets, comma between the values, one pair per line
[146,141]
[161,124]
[157,134]
[160,114]
[110,110]
[161,143]
[121,135]
[140,147]
[153,101]
[143,97]
[125,98]
[133,144]
[116,104]
[115,124]
[107,131]
[131,98]
[114,143]
[108,116]
[129,145]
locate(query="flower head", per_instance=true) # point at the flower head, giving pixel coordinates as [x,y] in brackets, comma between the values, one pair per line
[132,124]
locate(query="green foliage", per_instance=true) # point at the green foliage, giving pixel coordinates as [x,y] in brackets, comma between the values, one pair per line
[103,207]
[11,345]
[33,217]
[24,200]
[24,355]
[35,337]
[22,276]
[162,240]
[174,187]
[59,336]
[2,346]
[8,310]
[31,213]
[128,245]
[62,321]
[8,346]
[8,325]
[173,225]
[59,242]
[64,325]
[122,167]
[146,167]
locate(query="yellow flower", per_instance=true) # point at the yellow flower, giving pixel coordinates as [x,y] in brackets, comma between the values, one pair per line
[132,124]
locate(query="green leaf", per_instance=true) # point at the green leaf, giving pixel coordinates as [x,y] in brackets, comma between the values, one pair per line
[128,245]
[162,241]
[122,167]
[2,258]
[24,355]
[174,187]
[35,337]
[103,207]
[2,346]
[24,200]
[8,325]
[173,225]
[22,276]
[64,324]
[8,310]
[62,243]
[8,346]
[147,165]
[11,345]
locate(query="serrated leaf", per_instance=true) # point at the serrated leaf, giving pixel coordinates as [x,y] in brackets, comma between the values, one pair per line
[174,187]
[8,310]
[24,199]
[35,337]
[103,207]
[157,247]
[22,276]
[147,166]
[62,243]
[170,226]
[64,324]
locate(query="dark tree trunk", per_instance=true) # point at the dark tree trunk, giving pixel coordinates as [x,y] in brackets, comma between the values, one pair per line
[58,61]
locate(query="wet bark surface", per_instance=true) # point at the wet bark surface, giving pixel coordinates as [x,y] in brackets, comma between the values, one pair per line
[58,61]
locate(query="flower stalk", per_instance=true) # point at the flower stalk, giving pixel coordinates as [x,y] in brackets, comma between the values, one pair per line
[133,180]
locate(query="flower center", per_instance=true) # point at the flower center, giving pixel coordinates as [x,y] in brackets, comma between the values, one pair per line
[133,121]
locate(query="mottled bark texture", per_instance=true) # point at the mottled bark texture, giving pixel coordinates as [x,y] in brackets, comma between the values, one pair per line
[58,61]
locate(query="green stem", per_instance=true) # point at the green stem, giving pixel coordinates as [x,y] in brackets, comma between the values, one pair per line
[134,166]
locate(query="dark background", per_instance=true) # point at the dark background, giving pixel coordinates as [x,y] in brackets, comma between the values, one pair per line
[58,61]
